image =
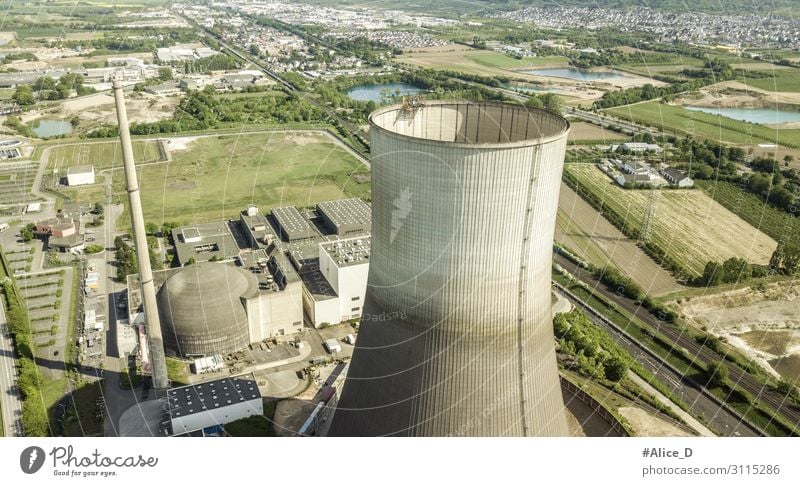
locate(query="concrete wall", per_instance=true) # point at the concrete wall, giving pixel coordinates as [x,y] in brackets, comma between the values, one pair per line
[273,314]
[321,311]
[456,337]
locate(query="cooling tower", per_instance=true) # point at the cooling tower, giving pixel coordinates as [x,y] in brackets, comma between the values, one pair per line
[456,336]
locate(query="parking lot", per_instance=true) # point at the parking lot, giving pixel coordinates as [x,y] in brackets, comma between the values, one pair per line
[46,295]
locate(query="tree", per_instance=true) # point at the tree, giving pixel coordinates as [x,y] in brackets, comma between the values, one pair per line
[151,228]
[736,269]
[615,368]
[27,234]
[786,258]
[98,208]
[254,50]
[23,95]
[717,373]
[788,159]
[191,261]
[165,73]
[712,274]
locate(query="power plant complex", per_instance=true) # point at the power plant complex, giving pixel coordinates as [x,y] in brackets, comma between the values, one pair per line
[456,335]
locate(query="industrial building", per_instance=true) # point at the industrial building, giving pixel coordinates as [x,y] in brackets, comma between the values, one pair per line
[346,216]
[193,408]
[216,308]
[291,224]
[80,176]
[456,337]
[256,228]
[202,242]
[335,293]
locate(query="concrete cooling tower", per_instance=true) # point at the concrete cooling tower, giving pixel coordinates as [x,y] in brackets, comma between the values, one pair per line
[456,336]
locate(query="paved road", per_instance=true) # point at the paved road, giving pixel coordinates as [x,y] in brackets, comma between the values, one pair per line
[9,394]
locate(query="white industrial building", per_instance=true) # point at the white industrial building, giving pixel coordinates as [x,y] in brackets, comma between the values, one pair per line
[336,293]
[193,408]
[80,176]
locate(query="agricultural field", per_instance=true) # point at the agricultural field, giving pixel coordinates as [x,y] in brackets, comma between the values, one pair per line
[780,81]
[215,177]
[779,225]
[584,132]
[680,121]
[101,155]
[688,224]
[501,61]
[590,236]
[472,61]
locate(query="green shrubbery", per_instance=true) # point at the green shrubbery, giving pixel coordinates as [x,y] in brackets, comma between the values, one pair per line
[598,356]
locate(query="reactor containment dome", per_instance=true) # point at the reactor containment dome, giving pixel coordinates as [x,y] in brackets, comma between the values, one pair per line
[203,312]
[456,336]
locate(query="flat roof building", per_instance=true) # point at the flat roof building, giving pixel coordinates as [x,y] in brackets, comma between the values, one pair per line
[214,403]
[335,292]
[81,175]
[256,228]
[204,242]
[346,216]
[291,224]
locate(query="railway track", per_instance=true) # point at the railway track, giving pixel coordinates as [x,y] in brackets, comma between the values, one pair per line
[739,377]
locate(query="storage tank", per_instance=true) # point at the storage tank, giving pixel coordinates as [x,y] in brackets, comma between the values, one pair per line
[456,336]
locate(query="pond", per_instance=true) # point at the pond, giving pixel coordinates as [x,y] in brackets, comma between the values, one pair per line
[51,128]
[377,92]
[752,115]
[577,74]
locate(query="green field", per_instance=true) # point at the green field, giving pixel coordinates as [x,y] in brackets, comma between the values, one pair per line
[218,176]
[688,225]
[103,155]
[680,121]
[782,81]
[501,61]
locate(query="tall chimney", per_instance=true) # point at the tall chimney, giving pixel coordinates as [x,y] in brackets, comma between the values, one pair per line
[158,364]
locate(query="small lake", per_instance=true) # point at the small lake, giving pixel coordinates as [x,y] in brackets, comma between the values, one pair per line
[577,74]
[51,128]
[752,115]
[376,92]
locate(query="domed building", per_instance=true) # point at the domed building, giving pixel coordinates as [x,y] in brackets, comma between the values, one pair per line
[203,310]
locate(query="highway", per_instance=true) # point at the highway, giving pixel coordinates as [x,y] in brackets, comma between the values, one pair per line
[9,394]
[722,420]
[740,378]
[606,121]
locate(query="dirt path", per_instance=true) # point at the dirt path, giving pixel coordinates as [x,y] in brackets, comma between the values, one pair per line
[590,235]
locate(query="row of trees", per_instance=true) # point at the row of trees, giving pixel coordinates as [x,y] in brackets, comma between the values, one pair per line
[30,381]
[732,270]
